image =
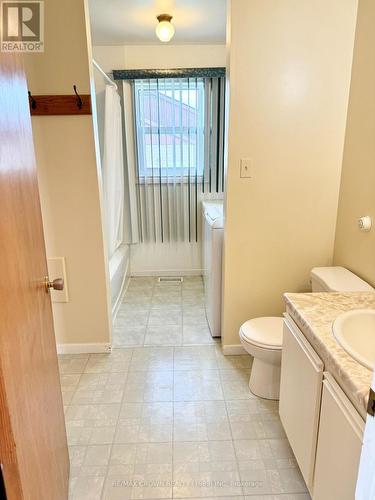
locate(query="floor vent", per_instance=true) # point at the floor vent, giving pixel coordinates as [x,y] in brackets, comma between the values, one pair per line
[170,279]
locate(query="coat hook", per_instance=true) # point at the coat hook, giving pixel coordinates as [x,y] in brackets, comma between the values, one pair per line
[79,100]
[32,100]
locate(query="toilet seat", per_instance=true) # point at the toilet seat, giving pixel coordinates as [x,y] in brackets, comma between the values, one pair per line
[266,333]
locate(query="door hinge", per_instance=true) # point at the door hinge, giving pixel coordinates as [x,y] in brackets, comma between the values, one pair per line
[371,403]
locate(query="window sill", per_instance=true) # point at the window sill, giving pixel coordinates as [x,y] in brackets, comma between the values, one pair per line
[170,180]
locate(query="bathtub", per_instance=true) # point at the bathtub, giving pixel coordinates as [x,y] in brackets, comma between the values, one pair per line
[118,276]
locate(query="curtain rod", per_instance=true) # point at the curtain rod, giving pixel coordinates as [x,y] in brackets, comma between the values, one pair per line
[147,74]
[104,74]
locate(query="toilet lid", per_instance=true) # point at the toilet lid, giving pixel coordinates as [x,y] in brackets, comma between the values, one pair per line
[264,332]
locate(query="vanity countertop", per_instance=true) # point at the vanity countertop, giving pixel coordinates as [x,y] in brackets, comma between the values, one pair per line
[314,313]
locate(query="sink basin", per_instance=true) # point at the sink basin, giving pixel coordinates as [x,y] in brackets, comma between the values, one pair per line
[355,332]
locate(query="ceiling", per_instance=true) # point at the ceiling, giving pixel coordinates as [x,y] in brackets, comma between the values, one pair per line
[132,22]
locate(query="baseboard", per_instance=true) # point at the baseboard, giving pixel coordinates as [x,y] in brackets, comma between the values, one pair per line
[168,272]
[233,350]
[83,348]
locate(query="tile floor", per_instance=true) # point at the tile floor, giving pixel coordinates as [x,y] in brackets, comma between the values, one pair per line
[162,314]
[166,415]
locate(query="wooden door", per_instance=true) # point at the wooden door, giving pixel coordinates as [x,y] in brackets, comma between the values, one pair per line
[33,448]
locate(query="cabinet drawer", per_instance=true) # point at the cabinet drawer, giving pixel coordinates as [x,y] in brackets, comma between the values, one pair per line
[300,395]
[339,445]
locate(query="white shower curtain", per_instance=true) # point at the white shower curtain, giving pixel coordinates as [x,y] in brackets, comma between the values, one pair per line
[113,169]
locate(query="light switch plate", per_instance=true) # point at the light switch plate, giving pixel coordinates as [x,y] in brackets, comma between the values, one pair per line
[57,269]
[246,171]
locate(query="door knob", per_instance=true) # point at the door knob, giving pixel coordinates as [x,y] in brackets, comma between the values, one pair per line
[57,284]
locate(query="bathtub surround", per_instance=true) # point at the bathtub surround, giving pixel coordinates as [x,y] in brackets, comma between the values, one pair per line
[289,90]
[355,249]
[118,277]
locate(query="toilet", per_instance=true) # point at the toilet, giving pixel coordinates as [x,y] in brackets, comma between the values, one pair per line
[262,338]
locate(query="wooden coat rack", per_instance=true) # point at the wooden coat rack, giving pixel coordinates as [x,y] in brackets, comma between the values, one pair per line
[74,104]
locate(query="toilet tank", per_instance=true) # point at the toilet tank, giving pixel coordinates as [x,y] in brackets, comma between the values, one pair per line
[337,279]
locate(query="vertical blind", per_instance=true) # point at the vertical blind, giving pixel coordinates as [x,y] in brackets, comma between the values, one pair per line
[179,134]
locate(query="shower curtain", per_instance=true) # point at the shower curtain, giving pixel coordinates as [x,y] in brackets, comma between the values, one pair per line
[113,169]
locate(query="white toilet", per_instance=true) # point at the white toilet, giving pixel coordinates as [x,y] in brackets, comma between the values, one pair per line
[263,337]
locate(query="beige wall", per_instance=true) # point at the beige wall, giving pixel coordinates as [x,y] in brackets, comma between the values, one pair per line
[68,177]
[289,72]
[355,249]
[159,56]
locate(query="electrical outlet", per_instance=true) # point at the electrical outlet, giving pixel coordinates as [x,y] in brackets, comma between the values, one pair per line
[246,170]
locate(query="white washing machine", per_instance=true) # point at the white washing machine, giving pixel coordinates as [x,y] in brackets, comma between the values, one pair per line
[213,235]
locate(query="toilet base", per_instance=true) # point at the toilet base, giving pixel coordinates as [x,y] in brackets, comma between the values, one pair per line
[265,379]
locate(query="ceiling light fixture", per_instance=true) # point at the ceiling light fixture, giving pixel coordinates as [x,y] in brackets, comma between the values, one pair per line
[164,29]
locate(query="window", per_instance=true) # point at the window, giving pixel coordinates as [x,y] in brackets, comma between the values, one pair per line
[179,136]
[170,117]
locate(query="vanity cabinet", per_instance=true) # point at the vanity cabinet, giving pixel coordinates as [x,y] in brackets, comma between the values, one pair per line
[300,394]
[324,429]
[339,445]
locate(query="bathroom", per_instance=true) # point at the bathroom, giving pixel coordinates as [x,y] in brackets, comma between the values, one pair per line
[211,215]
[171,173]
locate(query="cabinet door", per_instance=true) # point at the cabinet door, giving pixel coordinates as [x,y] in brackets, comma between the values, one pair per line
[300,394]
[366,477]
[339,445]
